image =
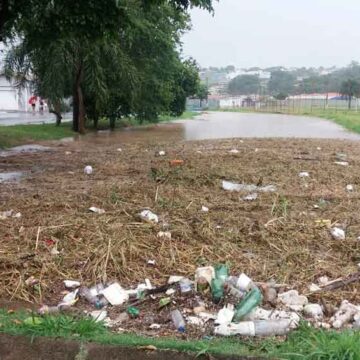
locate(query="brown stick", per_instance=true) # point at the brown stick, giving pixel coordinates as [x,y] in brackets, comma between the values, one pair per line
[342,282]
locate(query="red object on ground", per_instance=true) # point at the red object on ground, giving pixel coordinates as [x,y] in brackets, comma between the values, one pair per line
[176,162]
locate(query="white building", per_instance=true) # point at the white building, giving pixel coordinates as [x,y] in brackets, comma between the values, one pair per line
[11,98]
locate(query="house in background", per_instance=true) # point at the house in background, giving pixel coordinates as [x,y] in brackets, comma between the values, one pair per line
[11,98]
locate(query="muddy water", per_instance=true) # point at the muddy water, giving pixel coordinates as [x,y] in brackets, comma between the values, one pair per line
[220,125]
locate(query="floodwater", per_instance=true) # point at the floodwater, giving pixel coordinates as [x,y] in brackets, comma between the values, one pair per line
[221,125]
[10,176]
[31,148]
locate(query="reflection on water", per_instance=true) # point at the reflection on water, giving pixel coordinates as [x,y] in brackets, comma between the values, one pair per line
[221,125]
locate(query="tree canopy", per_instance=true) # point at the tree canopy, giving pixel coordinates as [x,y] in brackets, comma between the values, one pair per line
[126,63]
[244,85]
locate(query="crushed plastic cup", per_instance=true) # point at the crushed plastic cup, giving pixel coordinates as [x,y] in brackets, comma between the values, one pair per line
[151,262]
[250,197]
[97,210]
[204,209]
[115,294]
[304,174]
[99,315]
[225,315]
[337,233]
[161,153]
[250,188]
[206,272]
[244,283]
[149,216]
[70,299]
[314,311]
[88,170]
[71,284]
[349,188]
[293,300]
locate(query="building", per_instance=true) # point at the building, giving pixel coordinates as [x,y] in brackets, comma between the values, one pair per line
[12,98]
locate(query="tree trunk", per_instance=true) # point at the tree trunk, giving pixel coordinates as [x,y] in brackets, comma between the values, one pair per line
[349,103]
[56,110]
[81,120]
[75,125]
[112,123]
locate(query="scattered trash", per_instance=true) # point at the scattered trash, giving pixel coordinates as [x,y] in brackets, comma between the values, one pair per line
[337,233]
[204,209]
[252,299]
[255,328]
[164,301]
[173,279]
[293,300]
[31,281]
[230,186]
[207,273]
[186,286]
[155,326]
[176,162]
[70,299]
[97,210]
[244,283]
[161,153]
[98,315]
[304,174]
[225,315]
[318,148]
[342,163]
[9,214]
[115,294]
[133,311]
[250,197]
[119,149]
[195,321]
[149,216]
[314,311]
[345,314]
[349,187]
[263,314]
[151,262]
[164,235]
[67,152]
[178,320]
[88,170]
[323,222]
[234,151]
[70,284]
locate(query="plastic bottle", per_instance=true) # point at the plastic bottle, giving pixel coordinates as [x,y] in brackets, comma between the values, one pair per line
[217,290]
[87,294]
[255,328]
[178,320]
[252,299]
[221,272]
[185,286]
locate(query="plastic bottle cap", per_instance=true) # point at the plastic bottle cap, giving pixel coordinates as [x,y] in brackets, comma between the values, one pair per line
[181,329]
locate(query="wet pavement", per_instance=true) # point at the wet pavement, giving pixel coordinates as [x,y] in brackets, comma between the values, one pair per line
[22,118]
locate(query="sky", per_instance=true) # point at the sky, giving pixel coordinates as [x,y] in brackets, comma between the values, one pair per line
[291,33]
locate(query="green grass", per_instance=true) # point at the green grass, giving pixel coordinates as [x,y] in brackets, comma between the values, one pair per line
[304,344]
[22,134]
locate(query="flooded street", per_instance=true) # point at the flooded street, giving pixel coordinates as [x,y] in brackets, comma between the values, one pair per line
[222,125]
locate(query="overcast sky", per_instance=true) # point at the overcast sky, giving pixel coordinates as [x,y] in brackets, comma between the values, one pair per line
[265,33]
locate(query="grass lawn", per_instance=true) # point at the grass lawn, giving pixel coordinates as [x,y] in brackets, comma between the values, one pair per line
[305,343]
[21,134]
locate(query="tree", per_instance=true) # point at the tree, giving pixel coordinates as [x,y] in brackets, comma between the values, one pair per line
[82,18]
[202,93]
[281,82]
[350,88]
[244,85]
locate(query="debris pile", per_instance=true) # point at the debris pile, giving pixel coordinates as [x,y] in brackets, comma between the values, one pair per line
[215,303]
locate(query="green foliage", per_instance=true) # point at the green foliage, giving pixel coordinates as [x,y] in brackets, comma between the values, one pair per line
[244,85]
[281,82]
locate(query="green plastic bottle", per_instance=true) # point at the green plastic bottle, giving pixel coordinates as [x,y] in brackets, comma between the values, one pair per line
[221,272]
[133,311]
[217,290]
[252,299]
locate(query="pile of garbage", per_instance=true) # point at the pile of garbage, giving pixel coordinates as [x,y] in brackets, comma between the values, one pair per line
[214,302]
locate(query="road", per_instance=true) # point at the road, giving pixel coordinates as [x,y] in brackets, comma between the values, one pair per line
[18,118]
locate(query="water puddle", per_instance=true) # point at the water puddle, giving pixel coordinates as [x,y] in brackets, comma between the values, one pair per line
[11,176]
[24,149]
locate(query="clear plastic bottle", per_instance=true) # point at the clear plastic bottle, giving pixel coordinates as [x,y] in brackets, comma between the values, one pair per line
[178,320]
[87,294]
[255,328]
[185,286]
